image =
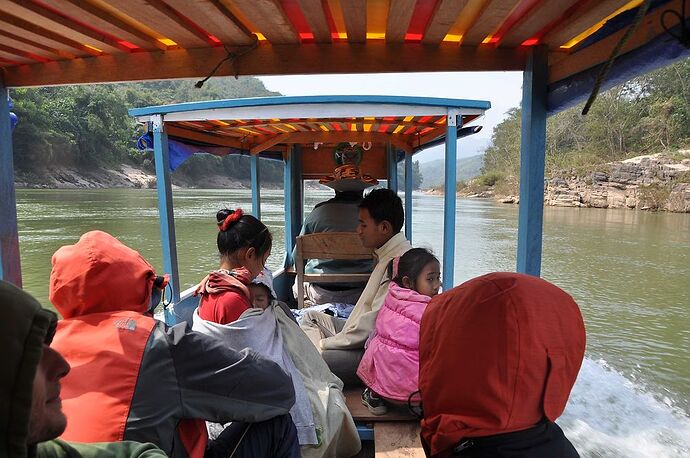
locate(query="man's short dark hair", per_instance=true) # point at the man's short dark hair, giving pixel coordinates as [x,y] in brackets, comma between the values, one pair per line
[385,205]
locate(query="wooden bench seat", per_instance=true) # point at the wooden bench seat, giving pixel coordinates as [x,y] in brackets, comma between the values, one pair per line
[328,245]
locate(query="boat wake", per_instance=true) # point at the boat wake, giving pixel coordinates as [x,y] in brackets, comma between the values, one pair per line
[611,416]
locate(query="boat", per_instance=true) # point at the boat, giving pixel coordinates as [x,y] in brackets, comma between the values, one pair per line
[568,51]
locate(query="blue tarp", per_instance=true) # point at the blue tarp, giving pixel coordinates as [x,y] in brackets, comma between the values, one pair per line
[662,51]
[179,152]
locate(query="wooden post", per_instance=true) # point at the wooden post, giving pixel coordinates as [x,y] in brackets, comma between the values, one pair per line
[292,183]
[449,204]
[10,264]
[409,179]
[391,156]
[165,212]
[532,152]
[256,186]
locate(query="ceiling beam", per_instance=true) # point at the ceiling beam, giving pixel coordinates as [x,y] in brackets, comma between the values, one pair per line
[316,18]
[444,17]
[256,149]
[333,137]
[399,17]
[374,57]
[204,137]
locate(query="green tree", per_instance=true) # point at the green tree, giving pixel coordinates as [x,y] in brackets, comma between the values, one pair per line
[646,115]
[417,176]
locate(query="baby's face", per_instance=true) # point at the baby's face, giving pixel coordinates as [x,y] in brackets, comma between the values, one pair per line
[260,298]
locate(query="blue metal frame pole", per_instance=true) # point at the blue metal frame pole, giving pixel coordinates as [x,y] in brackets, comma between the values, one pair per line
[532,152]
[392,154]
[165,212]
[292,182]
[10,263]
[449,204]
[409,179]
[256,186]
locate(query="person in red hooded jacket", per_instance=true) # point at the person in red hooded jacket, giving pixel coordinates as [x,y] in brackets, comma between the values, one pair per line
[134,378]
[499,355]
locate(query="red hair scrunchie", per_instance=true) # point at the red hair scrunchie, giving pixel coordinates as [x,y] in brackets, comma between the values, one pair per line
[230,219]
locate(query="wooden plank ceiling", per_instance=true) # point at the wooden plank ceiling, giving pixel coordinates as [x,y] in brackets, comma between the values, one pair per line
[256,135]
[46,42]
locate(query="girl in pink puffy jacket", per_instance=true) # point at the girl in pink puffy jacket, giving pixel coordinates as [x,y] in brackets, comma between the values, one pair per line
[390,365]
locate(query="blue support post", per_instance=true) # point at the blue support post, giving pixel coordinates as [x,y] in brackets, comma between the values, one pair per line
[409,179]
[449,204]
[10,265]
[292,182]
[256,186]
[165,212]
[532,152]
[392,156]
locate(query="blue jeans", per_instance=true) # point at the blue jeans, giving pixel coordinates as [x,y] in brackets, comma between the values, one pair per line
[276,437]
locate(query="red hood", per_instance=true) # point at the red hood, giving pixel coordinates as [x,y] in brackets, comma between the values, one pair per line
[99,274]
[497,354]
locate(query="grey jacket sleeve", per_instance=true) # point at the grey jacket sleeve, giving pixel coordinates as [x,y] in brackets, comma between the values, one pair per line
[219,384]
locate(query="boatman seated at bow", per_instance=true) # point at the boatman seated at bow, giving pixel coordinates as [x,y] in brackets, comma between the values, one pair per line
[338,214]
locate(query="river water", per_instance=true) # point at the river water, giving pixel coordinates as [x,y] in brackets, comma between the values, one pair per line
[628,270]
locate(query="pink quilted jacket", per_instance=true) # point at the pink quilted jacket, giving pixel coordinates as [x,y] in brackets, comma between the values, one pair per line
[390,365]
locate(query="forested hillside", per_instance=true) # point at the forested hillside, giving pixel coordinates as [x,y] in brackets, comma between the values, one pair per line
[647,115]
[433,172]
[87,128]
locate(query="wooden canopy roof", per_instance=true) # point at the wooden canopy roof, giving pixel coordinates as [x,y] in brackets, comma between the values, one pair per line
[267,124]
[48,42]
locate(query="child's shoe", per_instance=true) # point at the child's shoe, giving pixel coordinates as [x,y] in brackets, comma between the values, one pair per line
[374,402]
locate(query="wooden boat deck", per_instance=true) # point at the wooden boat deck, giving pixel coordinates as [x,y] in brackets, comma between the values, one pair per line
[396,434]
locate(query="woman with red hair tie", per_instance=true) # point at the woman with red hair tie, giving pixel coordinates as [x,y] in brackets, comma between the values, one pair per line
[244,244]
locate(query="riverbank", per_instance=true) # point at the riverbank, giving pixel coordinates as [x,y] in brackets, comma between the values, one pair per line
[657,182]
[123,176]
[131,176]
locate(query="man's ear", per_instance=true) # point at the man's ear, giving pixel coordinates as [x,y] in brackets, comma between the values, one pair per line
[386,227]
[406,282]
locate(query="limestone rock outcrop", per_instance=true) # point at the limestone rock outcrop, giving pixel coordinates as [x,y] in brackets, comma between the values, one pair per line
[653,182]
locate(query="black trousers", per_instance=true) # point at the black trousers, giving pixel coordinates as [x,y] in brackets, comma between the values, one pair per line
[276,437]
[545,440]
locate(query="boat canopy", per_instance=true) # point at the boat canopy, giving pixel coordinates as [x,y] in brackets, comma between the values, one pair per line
[269,126]
[566,49]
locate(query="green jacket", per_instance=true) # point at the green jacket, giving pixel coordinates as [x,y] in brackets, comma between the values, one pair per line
[24,327]
[126,449]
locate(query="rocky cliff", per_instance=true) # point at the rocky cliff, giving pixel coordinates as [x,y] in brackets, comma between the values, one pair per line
[655,182]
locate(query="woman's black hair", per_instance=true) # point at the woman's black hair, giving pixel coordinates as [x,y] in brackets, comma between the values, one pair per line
[244,232]
[411,264]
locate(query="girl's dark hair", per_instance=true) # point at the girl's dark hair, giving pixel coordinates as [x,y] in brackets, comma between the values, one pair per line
[411,264]
[240,232]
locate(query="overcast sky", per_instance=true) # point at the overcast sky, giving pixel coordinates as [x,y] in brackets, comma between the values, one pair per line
[502,89]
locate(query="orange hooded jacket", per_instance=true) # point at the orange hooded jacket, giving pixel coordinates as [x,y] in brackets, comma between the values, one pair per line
[498,354]
[132,377]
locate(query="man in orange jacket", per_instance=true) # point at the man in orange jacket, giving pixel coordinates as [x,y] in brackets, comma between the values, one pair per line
[134,378]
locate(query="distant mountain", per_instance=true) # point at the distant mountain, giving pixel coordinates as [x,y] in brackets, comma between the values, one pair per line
[467,168]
